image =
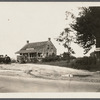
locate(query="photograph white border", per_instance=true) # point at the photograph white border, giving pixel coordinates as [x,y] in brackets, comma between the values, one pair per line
[55,95]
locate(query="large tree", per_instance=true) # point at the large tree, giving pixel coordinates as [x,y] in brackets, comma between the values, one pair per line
[84,29]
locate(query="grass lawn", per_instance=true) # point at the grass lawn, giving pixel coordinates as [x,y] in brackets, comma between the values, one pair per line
[74,65]
[56,63]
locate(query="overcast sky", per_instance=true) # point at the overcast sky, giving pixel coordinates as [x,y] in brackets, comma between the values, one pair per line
[34,22]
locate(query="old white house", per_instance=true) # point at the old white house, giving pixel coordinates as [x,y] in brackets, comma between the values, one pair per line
[38,49]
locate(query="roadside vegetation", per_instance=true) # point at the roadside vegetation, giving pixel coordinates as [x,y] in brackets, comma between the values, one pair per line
[85,63]
[5,59]
[66,60]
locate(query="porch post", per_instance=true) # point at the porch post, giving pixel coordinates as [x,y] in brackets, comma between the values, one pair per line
[37,55]
[28,56]
[98,48]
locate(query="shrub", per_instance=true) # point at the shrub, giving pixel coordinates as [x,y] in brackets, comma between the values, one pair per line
[7,60]
[51,58]
[86,63]
[20,59]
[2,60]
[66,56]
[34,60]
[13,61]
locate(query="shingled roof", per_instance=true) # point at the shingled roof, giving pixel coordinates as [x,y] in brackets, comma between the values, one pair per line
[37,47]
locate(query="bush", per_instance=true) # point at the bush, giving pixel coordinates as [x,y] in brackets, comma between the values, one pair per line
[13,61]
[34,60]
[20,59]
[66,56]
[51,58]
[7,60]
[86,63]
[2,60]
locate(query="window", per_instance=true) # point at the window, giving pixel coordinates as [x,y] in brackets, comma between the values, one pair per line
[48,47]
[47,54]
[29,48]
[53,54]
[39,54]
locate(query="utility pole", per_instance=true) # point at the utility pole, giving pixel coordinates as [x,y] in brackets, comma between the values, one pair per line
[98,48]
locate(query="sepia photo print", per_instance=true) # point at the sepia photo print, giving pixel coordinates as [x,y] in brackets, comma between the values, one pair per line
[48,47]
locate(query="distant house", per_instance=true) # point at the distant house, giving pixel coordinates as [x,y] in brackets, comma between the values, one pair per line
[38,49]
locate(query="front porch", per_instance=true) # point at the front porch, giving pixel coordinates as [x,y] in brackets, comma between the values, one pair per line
[30,57]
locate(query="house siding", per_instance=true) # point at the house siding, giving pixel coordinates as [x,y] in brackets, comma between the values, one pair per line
[50,49]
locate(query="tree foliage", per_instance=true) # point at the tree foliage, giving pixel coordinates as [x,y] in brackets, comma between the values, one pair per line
[85,27]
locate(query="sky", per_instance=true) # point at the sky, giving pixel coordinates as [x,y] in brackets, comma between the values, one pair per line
[33,21]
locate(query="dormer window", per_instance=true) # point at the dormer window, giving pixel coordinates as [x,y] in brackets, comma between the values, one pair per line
[29,48]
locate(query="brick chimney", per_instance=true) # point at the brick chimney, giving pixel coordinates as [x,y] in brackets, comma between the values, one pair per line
[27,41]
[49,39]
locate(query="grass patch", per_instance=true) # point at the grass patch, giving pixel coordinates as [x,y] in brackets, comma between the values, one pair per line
[56,63]
[73,64]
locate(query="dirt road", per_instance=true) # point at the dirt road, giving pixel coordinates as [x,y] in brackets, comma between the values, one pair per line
[46,78]
[17,84]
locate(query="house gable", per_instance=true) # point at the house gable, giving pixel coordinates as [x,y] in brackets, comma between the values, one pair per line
[50,48]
